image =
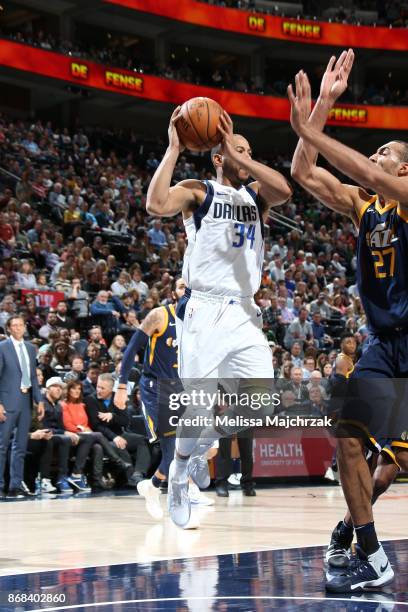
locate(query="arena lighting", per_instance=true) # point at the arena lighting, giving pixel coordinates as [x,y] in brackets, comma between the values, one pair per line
[127,82]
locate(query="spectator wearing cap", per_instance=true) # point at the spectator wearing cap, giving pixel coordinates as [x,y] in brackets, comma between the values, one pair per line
[44,442]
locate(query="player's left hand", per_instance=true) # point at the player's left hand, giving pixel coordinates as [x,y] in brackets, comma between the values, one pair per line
[226,128]
[301,103]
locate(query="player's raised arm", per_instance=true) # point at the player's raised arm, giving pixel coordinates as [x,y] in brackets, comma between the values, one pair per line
[272,186]
[318,181]
[391,185]
[164,200]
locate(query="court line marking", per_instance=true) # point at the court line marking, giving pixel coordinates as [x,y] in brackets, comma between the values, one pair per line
[177,558]
[216,597]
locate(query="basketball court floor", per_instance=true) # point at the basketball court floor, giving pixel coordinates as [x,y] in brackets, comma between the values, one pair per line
[104,553]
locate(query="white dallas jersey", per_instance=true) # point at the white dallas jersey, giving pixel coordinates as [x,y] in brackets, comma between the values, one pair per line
[225,249]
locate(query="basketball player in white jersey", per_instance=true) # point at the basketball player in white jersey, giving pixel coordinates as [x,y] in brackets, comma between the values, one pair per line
[219,326]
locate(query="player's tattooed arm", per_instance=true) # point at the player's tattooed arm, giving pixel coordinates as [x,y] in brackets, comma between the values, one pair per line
[271,186]
[164,200]
[153,322]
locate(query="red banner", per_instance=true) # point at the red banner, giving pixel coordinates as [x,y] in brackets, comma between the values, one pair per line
[115,80]
[267,26]
[293,453]
[43,299]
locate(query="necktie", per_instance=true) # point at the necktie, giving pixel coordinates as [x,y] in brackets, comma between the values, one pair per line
[25,379]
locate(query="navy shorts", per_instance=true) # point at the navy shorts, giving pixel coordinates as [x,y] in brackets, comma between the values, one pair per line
[155,396]
[376,403]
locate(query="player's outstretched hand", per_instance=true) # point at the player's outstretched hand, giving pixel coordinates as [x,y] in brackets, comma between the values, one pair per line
[301,103]
[335,78]
[226,128]
[174,140]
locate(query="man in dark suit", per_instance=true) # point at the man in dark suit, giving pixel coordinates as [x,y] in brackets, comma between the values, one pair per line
[111,421]
[18,390]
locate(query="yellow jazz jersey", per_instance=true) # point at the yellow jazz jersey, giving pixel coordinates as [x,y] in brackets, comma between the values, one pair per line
[160,360]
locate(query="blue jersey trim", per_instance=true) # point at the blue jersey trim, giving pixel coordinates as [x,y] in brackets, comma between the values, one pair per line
[254,196]
[203,209]
[181,306]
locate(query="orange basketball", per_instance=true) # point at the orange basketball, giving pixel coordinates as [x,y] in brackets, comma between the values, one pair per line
[197,127]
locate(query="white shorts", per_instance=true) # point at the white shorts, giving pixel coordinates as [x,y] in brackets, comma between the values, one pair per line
[221,337]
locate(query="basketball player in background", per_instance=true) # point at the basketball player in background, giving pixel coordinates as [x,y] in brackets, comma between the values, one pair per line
[383,465]
[382,255]
[156,336]
[219,326]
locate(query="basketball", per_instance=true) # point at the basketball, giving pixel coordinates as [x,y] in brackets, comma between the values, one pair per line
[197,127]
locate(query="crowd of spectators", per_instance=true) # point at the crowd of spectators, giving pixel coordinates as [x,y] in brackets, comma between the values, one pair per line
[84,264]
[392,13]
[185,67]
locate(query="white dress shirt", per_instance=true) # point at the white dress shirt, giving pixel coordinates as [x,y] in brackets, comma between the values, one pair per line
[16,345]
